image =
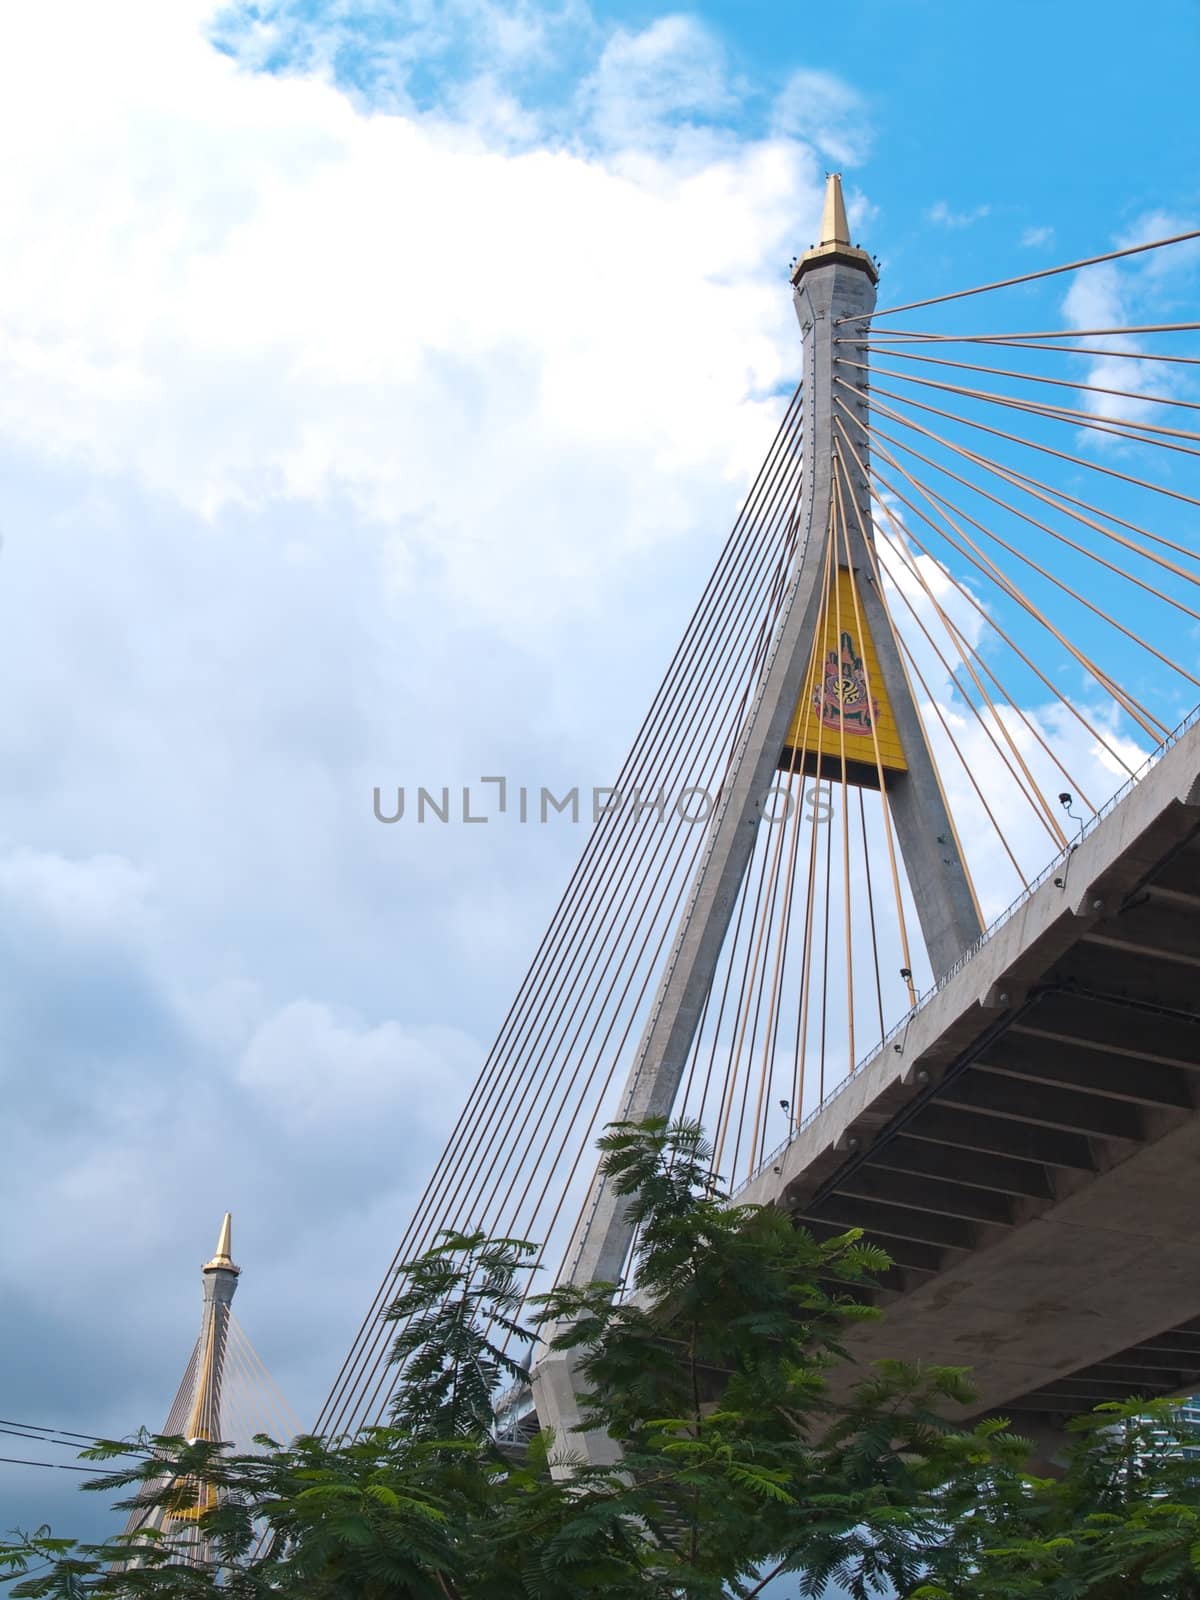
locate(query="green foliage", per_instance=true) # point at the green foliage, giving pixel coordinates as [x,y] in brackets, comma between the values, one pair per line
[459,1297]
[715,1375]
[1121,1519]
[750,1447]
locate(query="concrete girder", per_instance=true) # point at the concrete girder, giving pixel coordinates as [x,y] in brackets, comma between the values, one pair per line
[1073,1066]
[884,1220]
[1107,1027]
[1067,1110]
[997,1174]
[928,1194]
[964,1129]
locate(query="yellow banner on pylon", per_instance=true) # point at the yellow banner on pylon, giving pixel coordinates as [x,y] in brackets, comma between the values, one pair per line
[844,706]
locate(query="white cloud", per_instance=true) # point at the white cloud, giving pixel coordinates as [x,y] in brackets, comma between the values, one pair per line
[1098,299]
[104,898]
[824,109]
[406,54]
[942,214]
[1034,238]
[1171,261]
[649,87]
[270,296]
[1145,289]
[1095,298]
[314,1071]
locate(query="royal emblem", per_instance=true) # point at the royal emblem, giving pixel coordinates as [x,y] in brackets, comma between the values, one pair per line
[840,696]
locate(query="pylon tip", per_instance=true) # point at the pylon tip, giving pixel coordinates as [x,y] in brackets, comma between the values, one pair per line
[834,242]
[835,229]
[222,1257]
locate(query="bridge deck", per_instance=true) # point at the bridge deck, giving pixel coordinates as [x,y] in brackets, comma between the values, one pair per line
[1028,1149]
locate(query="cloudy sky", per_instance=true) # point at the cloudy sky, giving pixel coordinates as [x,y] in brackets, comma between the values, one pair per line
[378,380]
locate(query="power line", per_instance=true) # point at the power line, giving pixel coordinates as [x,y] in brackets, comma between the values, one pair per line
[42,1427]
[55,1466]
[68,1439]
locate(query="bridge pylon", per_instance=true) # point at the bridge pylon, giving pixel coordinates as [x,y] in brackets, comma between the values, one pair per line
[832,699]
[225,1395]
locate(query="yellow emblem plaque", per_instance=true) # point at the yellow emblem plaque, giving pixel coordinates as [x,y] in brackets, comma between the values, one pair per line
[844,702]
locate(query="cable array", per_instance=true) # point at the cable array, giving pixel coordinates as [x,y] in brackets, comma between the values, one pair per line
[226,1394]
[1028,529]
[520,1151]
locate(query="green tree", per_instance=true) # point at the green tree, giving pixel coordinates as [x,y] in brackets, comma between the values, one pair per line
[1122,1519]
[750,1447]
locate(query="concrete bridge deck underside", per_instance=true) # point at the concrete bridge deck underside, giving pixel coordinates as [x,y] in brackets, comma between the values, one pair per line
[1028,1149]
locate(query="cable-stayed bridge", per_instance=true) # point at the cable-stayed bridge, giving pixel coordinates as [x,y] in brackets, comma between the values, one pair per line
[957,614]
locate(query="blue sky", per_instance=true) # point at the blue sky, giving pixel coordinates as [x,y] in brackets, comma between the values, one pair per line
[377,384]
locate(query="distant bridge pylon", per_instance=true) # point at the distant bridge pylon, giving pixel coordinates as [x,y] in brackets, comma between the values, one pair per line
[225,1394]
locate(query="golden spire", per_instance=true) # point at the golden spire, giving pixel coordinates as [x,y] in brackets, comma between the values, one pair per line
[834,227]
[834,243]
[222,1260]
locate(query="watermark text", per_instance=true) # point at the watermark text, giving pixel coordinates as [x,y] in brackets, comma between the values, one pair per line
[494,797]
